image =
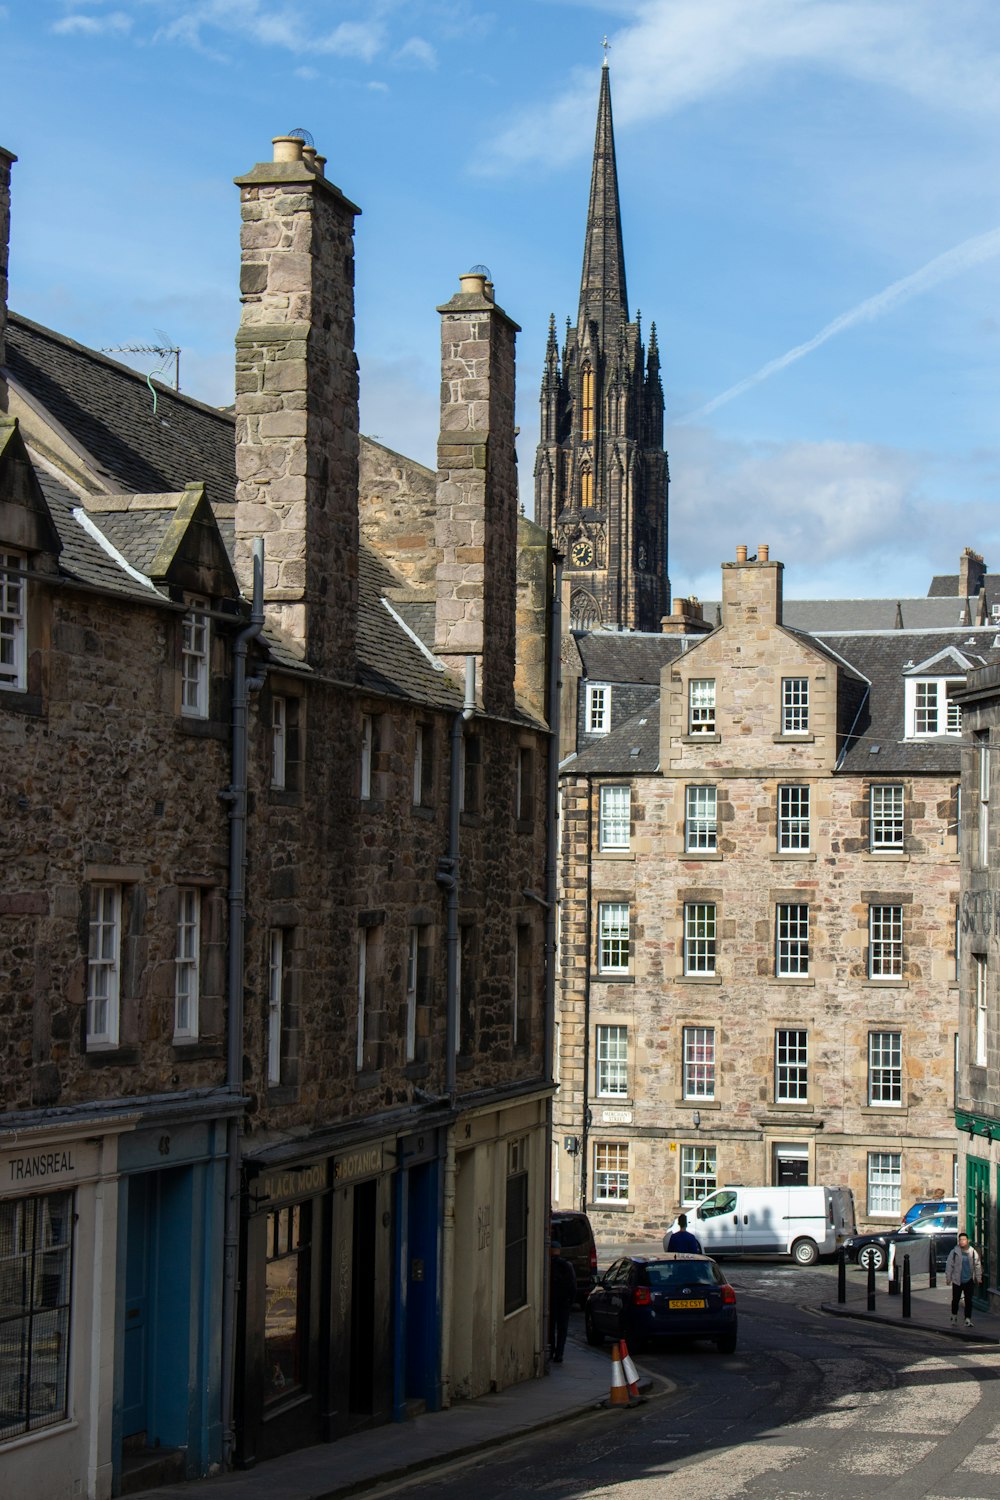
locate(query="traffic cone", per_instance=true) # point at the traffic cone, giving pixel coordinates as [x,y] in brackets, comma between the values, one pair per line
[620,1394]
[630,1372]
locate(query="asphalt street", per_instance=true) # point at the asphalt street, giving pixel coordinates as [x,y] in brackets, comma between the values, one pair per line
[809,1408]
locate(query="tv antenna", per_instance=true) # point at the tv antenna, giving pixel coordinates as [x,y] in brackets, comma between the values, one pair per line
[163,349]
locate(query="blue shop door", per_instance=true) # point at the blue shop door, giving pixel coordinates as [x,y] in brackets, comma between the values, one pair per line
[157,1358]
[136,1357]
[422,1311]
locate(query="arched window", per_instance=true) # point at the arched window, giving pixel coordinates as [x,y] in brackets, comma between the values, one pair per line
[587,487]
[587,405]
[584,612]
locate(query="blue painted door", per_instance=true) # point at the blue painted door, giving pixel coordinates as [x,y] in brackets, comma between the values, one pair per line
[422,1332]
[136,1355]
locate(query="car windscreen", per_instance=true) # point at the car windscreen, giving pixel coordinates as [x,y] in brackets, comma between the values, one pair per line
[569,1232]
[683,1272]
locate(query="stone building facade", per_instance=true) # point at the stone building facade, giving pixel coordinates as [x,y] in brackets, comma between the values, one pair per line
[758,929]
[273,980]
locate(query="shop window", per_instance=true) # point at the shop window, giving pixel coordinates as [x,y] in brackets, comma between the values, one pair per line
[36,1239]
[287,1301]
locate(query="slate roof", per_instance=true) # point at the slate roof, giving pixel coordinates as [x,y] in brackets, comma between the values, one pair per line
[82,556]
[138,535]
[628,655]
[389,660]
[633,749]
[869,614]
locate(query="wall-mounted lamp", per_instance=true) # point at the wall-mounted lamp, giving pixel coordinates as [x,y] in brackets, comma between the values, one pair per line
[696,1119]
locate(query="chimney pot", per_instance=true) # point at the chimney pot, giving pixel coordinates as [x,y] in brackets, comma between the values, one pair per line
[287,147]
[741,554]
[473,283]
[762,552]
[320,165]
[309,156]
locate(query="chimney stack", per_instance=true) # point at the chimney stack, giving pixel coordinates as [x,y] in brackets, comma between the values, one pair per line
[7,159]
[297,405]
[971,574]
[752,590]
[476,524]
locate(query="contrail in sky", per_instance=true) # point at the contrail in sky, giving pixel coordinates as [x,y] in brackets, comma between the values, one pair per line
[962,258]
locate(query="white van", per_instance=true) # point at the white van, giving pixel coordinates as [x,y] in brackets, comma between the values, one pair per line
[803,1222]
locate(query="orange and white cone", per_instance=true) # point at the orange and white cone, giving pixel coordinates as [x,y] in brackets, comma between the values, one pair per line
[620,1394]
[630,1372]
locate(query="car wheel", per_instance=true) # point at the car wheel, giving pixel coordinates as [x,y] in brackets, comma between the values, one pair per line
[805,1253]
[872,1255]
[592,1335]
[727,1343]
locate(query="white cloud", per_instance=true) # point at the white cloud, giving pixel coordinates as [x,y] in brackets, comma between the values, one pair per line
[307,73]
[377,87]
[676,53]
[271,25]
[115,23]
[417,52]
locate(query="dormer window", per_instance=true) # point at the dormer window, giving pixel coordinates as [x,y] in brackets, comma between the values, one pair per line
[929,710]
[598,708]
[13,622]
[194,661]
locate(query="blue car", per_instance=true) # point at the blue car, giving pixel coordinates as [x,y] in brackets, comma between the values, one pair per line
[642,1298]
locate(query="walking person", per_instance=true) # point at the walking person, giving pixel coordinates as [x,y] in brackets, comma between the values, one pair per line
[682,1241]
[562,1295]
[962,1272]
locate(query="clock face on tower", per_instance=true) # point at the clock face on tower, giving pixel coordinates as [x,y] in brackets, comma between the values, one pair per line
[583,553]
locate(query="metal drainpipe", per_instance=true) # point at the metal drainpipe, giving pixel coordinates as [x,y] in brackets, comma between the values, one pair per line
[551,896]
[585,1120]
[447,877]
[236,796]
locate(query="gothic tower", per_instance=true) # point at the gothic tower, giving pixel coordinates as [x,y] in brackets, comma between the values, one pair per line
[601,471]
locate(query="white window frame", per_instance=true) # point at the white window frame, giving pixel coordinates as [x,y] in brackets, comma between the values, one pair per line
[279,741]
[275,1002]
[701,819]
[419,731]
[611,1172]
[885,1069]
[929,711]
[187,963]
[104,956]
[699,1167]
[791,939]
[793,818]
[983,797]
[13,621]
[196,640]
[614,933]
[791,1065]
[615,817]
[598,708]
[698,1062]
[981,1000]
[701,705]
[412,969]
[367,741]
[886,814]
[885,941]
[701,931]
[611,1052]
[885,1182]
[795,705]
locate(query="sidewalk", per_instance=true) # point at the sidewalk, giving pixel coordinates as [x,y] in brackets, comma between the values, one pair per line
[930,1310]
[399,1448]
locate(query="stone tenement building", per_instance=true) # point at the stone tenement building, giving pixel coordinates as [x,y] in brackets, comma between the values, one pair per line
[760,886]
[601,470]
[273,1016]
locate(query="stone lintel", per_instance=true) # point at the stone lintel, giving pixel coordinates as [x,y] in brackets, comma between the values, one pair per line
[272,333]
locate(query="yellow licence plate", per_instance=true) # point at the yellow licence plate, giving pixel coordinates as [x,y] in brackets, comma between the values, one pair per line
[686,1302]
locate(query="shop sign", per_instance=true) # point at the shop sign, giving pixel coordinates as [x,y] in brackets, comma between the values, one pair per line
[33,1168]
[298,1182]
[366,1161]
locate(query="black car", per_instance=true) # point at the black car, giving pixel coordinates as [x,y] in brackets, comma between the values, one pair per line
[873,1249]
[571,1231]
[917,1247]
[642,1298]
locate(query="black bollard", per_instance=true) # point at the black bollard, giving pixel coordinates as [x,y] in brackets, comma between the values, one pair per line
[841,1275]
[932,1261]
[894,1278]
[871,1286]
[906,1286]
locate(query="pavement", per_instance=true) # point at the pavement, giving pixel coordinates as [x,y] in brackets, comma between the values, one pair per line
[381,1455]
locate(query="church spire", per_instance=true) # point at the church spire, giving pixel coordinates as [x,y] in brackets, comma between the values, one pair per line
[603,295]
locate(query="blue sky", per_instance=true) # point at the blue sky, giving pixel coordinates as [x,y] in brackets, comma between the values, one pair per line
[787,167]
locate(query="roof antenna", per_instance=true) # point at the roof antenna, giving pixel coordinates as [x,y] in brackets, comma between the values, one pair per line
[163,348]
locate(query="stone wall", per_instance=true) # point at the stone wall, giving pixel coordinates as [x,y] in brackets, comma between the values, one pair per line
[398,509]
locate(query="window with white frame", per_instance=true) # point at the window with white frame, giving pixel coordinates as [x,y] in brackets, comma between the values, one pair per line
[195,661]
[701,819]
[104,966]
[793,818]
[614,823]
[36,1287]
[791,1065]
[698,1072]
[699,937]
[885,804]
[699,1173]
[613,937]
[367,750]
[419,753]
[279,741]
[885,942]
[958,944]
[275,1002]
[412,957]
[187,966]
[791,939]
[885,1068]
[983,801]
[885,1180]
[701,705]
[929,710]
[795,705]
[598,710]
[981,1039]
[610,1172]
[612,1061]
[13,621]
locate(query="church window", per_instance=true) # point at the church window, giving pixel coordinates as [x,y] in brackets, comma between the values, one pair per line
[587,405]
[587,487]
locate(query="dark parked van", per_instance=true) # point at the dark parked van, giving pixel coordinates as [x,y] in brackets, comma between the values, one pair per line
[572,1233]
